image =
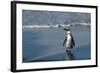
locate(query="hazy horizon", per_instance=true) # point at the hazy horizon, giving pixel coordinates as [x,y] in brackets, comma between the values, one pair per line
[33,17]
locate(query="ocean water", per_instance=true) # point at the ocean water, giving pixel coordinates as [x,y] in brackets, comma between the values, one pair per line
[46,44]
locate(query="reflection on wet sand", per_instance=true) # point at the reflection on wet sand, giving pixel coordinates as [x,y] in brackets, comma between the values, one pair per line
[70,55]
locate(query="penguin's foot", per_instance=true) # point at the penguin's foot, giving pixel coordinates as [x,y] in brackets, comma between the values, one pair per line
[69,50]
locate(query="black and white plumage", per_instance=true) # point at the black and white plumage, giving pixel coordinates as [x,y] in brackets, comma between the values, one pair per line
[69,41]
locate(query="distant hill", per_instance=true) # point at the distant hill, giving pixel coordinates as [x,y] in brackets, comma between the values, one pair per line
[31,17]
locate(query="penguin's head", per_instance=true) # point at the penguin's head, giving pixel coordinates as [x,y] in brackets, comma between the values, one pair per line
[68,30]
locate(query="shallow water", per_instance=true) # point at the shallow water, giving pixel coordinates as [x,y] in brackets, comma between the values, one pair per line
[46,44]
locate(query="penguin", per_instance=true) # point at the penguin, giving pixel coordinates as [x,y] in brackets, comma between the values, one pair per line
[69,41]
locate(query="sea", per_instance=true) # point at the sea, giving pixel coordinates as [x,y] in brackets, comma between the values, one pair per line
[46,44]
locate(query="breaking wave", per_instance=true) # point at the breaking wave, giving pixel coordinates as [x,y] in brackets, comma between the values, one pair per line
[55,26]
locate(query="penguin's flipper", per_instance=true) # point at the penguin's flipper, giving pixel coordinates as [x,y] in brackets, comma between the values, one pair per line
[73,42]
[64,41]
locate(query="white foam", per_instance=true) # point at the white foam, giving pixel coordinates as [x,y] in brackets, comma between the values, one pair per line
[55,26]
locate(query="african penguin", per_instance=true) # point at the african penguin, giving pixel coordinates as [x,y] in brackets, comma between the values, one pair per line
[69,41]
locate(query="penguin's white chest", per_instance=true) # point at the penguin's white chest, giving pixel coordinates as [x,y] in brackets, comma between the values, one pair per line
[68,42]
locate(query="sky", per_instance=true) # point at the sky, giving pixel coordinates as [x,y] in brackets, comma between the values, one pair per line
[33,17]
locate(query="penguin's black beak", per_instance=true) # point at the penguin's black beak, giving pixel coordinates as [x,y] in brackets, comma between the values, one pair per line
[66,29]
